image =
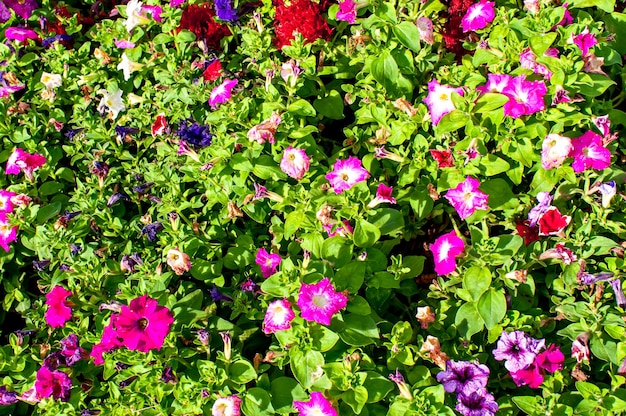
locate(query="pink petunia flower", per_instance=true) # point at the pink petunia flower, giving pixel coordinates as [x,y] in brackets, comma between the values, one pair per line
[439,100]
[265,131]
[8,233]
[227,406]
[347,11]
[295,162]
[346,174]
[425,30]
[603,124]
[318,302]
[124,44]
[446,249]
[59,311]
[525,97]
[554,150]
[21,161]
[478,16]
[268,262]
[6,203]
[567,18]
[108,342]
[383,194]
[589,153]
[343,229]
[52,383]
[466,198]
[495,83]
[317,405]
[585,40]
[222,93]
[278,316]
[143,324]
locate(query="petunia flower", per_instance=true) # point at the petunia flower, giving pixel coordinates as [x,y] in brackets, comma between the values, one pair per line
[199,19]
[544,200]
[559,252]
[6,201]
[143,324]
[592,64]
[346,174]
[446,249]
[554,150]
[525,97]
[463,377]
[268,262]
[585,40]
[51,81]
[151,230]
[607,189]
[265,131]
[227,406]
[425,316]
[178,261]
[496,83]
[20,34]
[425,30]
[477,403]
[528,60]
[589,153]
[225,11]
[22,8]
[136,16]
[212,71]
[620,298]
[112,102]
[21,161]
[466,198]
[318,302]
[278,316]
[383,195]
[518,349]
[478,16]
[603,124]
[128,67]
[290,71]
[551,359]
[552,222]
[300,16]
[124,44]
[71,350]
[222,93]
[443,157]
[317,405]
[52,383]
[108,342]
[439,100]
[295,162]
[403,387]
[347,11]
[530,376]
[7,397]
[59,311]
[580,348]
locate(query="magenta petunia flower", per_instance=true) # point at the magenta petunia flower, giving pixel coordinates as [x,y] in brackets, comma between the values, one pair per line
[222,92]
[317,405]
[525,97]
[589,153]
[143,324]
[59,311]
[21,161]
[21,34]
[8,232]
[495,83]
[347,11]
[295,162]
[439,100]
[346,174]
[554,150]
[383,195]
[268,262]
[318,302]
[22,8]
[227,406]
[530,376]
[278,316]
[446,249]
[478,16]
[108,342]
[52,383]
[466,198]
[551,359]
[6,204]
[585,40]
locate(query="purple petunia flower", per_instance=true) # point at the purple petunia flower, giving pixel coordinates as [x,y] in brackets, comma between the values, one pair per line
[52,383]
[477,403]
[5,14]
[117,196]
[217,296]
[194,134]
[439,100]
[151,230]
[619,293]
[143,188]
[48,42]
[225,11]
[168,376]
[20,33]
[463,377]
[22,8]
[71,350]
[545,202]
[525,97]
[446,249]
[7,397]
[518,349]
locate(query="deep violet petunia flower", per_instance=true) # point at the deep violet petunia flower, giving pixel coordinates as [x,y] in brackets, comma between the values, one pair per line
[278,316]
[71,350]
[217,296]
[585,40]
[194,134]
[224,10]
[222,92]
[347,11]
[477,403]
[518,349]
[7,397]
[21,161]
[439,100]
[295,162]
[544,200]
[59,311]
[589,153]
[466,198]
[317,405]
[143,324]
[52,383]
[525,97]
[478,16]
[268,262]
[554,150]
[150,231]
[552,222]
[318,302]
[446,249]
[463,377]
[227,406]
[346,174]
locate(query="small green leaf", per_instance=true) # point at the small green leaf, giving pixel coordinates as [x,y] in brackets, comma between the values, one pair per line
[467,320]
[292,222]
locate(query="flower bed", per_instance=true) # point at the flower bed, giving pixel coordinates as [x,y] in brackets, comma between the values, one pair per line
[314,208]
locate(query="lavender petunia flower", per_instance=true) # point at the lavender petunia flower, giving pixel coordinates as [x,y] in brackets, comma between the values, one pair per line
[463,377]
[7,397]
[518,349]
[71,350]
[619,293]
[117,196]
[151,230]
[588,278]
[41,265]
[608,190]
[48,42]
[5,14]
[75,249]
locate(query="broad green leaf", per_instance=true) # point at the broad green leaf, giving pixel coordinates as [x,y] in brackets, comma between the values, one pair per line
[451,122]
[330,106]
[350,276]
[385,70]
[492,307]
[476,281]
[48,211]
[241,372]
[539,44]
[292,222]
[605,5]
[365,234]
[408,35]
[492,165]
[467,320]
[284,391]
[301,108]
[304,364]
[490,101]
[257,401]
[389,221]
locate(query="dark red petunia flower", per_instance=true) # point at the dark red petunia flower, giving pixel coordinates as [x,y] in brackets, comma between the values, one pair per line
[443,157]
[528,233]
[199,19]
[300,16]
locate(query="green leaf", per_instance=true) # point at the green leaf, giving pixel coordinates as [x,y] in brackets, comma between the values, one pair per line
[492,165]
[162,38]
[330,106]
[337,250]
[408,35]
[421,202]
[304,364]
[356,330]
[292,222]
[284,391]
[389,221]
[350,277]
[477,280]
[50,188]
[323,338]
[499,192]
[241,372]
[301,108]
[452,122]
[490,101]
[385,71]
[492,307]
[356,398]
[377,386]
[265,168]
[588,390]
[527,404]
[539,44]
[467,320]
[365,234]
[605,5]
[48,211]
[257,402]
